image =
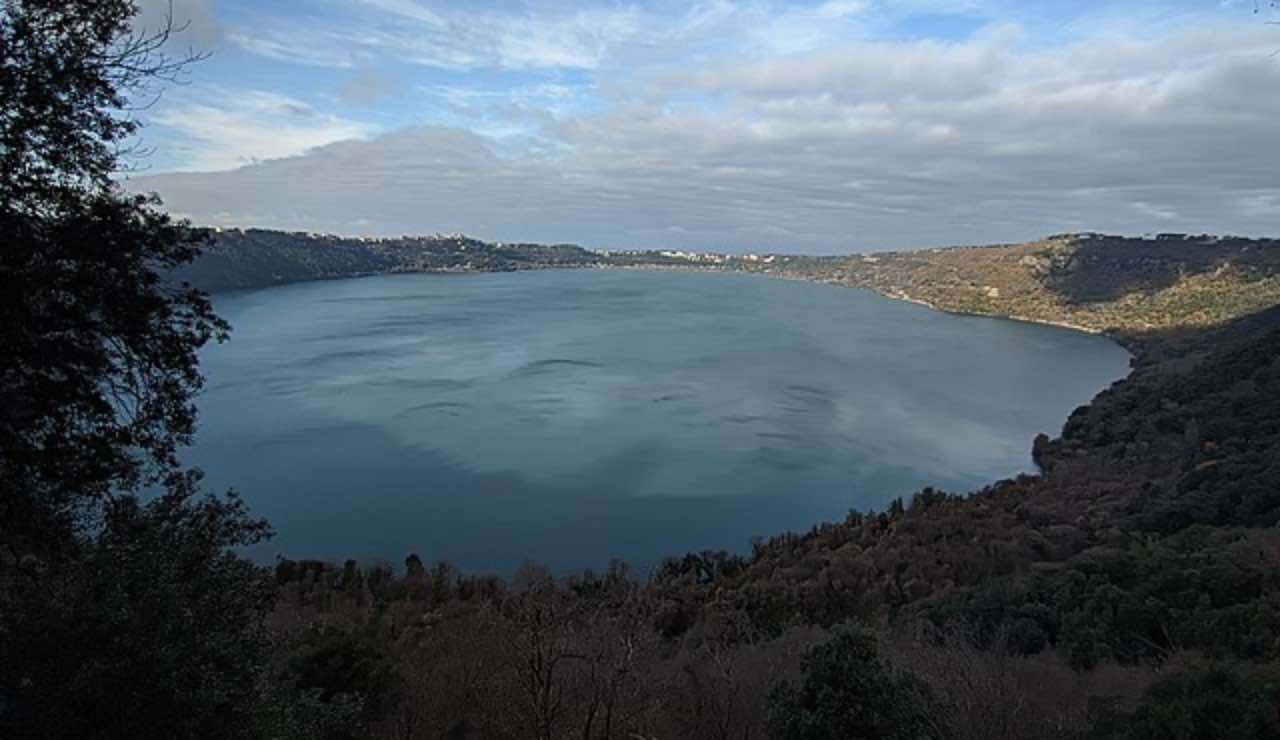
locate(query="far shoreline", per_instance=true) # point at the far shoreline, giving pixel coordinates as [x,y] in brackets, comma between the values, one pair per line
[1130,344]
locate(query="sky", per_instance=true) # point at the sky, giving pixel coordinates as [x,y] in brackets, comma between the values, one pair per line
[827,126]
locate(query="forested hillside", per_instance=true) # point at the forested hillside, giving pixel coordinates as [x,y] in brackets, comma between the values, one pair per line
[1137,575]
[255,258]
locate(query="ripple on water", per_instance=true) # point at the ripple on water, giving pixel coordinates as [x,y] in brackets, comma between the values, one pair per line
[542,367]
[449,408]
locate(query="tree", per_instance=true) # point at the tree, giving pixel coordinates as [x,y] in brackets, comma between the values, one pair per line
[340,668]
[1213,703]
[123,611]
[153,629]
[848,692]
[100,368]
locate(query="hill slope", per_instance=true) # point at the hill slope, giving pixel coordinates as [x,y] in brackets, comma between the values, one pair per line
[1089,281]
[255,258]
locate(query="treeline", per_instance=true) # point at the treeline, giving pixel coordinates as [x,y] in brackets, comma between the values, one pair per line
[1124,286]
[1131,589]
[234,259]
[255,258]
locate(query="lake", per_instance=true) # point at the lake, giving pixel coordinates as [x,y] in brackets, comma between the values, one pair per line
[572,416]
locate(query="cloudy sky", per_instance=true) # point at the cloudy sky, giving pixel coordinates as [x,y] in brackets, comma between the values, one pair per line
[837,126]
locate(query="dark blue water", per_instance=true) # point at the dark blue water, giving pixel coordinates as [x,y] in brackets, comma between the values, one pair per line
[569,417]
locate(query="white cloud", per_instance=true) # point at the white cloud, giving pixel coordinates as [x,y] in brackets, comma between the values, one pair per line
[548,36]
[842,8]
[215,128]
[408,9]
[313,49]
[407,31]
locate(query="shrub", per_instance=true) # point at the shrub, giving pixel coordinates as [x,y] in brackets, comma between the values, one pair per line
[848,692]
[1215,704]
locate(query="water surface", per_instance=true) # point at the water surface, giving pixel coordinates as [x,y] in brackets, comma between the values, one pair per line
[570,417]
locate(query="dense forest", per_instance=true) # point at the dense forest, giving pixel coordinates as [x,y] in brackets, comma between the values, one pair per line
[1130,590]
[254,258]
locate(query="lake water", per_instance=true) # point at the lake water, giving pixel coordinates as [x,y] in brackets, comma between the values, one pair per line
[570,417]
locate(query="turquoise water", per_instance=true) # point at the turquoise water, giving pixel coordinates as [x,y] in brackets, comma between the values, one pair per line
[570,417]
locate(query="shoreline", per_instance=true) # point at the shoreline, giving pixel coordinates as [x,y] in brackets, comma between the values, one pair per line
[695,285]
[897,296]
[1130,343]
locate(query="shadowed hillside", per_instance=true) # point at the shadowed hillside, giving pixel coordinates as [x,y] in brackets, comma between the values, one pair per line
[255,258]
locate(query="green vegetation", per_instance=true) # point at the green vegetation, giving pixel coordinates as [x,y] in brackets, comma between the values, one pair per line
[848,692]
[254,258]
[343,675]
[1212,703]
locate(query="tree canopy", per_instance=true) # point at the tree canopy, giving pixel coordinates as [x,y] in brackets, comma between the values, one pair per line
[123,610]
[849,692]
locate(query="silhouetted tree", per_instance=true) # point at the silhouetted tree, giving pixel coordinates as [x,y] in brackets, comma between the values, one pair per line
[342,669]
[123,612]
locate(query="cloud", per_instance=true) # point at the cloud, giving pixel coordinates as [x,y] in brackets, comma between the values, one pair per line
[842,8]
[555,36]
[316,49]
[366,88]
[871,71]
[214,128]
[194,21]
[860,145]
[409,32]
[506,112]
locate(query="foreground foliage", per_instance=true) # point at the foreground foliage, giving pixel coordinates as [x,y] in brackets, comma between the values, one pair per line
[123,612]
